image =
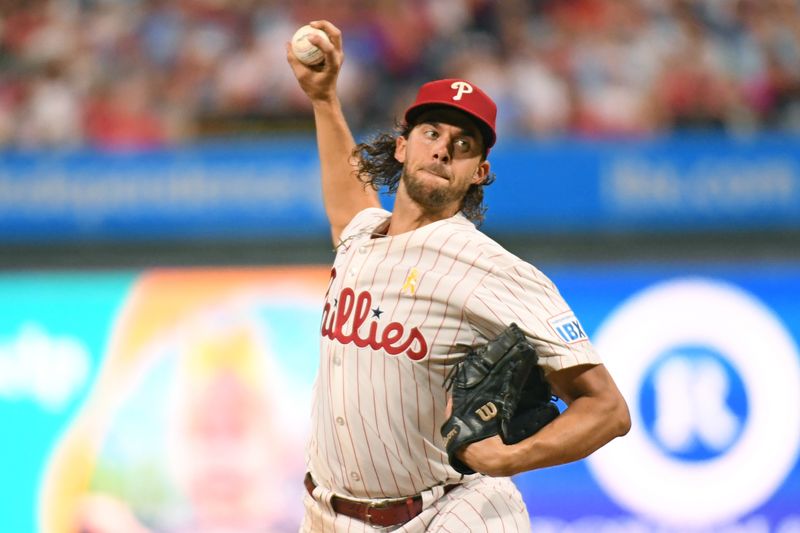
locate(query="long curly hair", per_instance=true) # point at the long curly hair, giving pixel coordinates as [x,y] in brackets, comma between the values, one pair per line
[377,167]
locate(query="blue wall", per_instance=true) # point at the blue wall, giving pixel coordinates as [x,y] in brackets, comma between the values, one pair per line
[270,189]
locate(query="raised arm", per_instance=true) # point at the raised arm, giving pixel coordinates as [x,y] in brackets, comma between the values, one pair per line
[343,193]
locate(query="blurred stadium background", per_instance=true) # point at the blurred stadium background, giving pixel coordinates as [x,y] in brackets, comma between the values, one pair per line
[163,246]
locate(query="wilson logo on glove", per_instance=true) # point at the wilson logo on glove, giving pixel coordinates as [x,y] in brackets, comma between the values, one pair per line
[487,411]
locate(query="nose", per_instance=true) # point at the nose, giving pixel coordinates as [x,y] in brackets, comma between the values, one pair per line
[441,150]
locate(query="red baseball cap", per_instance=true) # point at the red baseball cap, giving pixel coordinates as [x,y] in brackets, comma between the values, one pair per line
[461,95]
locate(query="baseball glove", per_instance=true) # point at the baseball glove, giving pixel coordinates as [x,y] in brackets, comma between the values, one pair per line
[497,388]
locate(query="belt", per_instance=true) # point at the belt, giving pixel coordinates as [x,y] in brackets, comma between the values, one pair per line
[382,514]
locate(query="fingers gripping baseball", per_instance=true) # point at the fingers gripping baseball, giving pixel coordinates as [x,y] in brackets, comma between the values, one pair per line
[324,56]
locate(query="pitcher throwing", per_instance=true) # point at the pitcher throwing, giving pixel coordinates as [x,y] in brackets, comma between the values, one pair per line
[413,292]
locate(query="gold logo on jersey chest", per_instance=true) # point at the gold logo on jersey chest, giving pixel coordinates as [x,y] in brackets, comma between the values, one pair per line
[410,284]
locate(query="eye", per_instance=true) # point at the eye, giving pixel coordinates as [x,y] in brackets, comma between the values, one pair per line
[463,145]
[431,133]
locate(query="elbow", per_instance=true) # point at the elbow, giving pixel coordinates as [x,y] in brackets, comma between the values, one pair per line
[621,418]
[616,417]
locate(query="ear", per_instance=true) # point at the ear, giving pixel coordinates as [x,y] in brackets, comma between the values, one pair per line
[400,149]
[481,172]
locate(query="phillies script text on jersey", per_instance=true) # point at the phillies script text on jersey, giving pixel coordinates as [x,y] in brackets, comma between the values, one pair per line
[353,310]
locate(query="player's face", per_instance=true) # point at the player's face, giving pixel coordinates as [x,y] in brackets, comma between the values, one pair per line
[442,157]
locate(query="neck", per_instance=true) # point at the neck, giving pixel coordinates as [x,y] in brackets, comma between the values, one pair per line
[408,215]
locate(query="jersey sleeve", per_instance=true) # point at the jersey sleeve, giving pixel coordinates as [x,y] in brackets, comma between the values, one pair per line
[522,294]
[365,220]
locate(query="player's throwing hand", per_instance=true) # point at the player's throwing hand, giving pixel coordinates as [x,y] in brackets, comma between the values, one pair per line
[319,81]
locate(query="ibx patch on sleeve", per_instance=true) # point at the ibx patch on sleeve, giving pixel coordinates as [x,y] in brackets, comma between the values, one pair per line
[567,327]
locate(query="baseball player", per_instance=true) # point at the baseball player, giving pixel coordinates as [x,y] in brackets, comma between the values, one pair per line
[411,291]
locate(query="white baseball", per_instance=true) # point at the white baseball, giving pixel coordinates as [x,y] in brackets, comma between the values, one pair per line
[302,48]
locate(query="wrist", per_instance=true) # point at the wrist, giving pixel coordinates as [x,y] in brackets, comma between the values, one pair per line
[491,457]
[325,103]
[516,462]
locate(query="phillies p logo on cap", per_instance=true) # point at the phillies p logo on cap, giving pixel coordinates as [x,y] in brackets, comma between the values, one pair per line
[461,95]
[461,87]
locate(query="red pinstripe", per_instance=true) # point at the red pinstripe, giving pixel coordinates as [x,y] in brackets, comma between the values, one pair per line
[337,445]
[374,400]
[410,313]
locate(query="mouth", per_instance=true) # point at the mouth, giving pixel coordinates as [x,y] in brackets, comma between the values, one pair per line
[437,173]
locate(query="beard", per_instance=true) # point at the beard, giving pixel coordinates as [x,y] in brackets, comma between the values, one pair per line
[428,193]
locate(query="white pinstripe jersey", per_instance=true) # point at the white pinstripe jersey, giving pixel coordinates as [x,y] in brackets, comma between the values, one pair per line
[399,312]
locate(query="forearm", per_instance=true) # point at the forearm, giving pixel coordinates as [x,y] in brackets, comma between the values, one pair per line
[343,193]
[335,144]
[581,430]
